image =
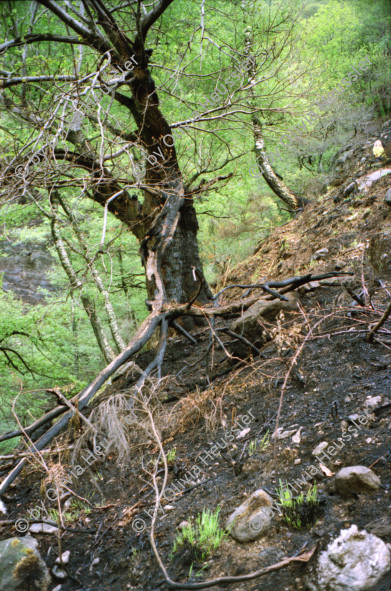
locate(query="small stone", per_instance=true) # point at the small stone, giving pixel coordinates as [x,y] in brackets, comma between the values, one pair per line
[297,461]
[319,449]
[169,507]
[43,528]
[320,254]
[388,197]
[372,401]
[95,561]
[3,508]
[354,417]
[297,436]
[21,565]
[243,433]
[281,434]
[309,287]
[58,588]
[183,524]
[252,519]
[64,558]
[59,573]
[356,479]
[378,150]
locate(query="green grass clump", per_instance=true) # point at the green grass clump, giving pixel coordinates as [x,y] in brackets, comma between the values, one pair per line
[260,445]
[298,512]
[201,537]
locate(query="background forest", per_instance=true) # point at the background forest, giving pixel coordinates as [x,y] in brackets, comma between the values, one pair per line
[303,50]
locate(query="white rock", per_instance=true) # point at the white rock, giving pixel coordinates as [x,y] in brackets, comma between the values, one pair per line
[183,524]
[43,528]
[169,507]
[3,508]
[354,417]
[320,448]
[252,519]
[64,558]
[281,434]
[355,561]
[320,254]
[297,436]
[372,401]
[59,573]
[243,433]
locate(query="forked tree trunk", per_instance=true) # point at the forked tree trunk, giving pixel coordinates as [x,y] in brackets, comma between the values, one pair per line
[166,224]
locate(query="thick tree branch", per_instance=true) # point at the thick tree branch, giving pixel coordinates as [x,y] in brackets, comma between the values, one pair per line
[36,38]
[143,335]
[91,38]
[8,82]
[151,18]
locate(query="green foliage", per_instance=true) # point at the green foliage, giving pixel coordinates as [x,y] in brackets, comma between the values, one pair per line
[53,343]
[76,510]
[300,511]
[260,445]
[171,456]
[202,537]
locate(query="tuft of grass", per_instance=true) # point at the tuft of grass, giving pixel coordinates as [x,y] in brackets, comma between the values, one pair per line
[259,445]
[171,455]
[298,512]
[202,536]
[76,508]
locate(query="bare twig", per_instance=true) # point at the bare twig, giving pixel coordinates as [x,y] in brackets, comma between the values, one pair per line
[379,324]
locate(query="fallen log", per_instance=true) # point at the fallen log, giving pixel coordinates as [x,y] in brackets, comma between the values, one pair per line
[145,332]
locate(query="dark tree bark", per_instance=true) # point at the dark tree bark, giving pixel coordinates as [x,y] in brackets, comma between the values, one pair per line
[167,226]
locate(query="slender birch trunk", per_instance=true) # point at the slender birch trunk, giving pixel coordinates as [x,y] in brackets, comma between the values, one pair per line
[264,166]
[87,303]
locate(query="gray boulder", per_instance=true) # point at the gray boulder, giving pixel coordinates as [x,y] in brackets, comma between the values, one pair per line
[21,566]
[355,479]
[355,561]
[252,519]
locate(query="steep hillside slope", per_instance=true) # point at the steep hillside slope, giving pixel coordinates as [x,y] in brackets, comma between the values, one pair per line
[315,373]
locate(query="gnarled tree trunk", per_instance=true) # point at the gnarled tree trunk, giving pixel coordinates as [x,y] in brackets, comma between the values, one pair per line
[165,224]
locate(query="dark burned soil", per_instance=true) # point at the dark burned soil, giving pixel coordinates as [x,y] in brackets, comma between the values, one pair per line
[316,363]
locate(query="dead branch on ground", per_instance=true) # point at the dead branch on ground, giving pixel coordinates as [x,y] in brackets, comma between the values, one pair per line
[379,324]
